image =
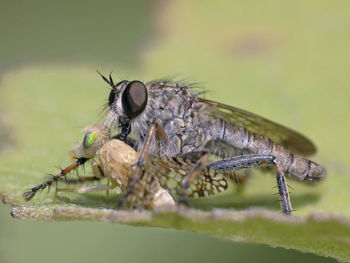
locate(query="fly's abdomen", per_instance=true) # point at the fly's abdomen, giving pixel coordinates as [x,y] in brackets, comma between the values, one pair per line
[297,166]
[294,165]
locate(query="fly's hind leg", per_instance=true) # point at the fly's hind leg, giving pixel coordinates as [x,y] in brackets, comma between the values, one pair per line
[254,160]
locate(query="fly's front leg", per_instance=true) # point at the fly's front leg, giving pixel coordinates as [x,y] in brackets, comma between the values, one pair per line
[155,129]
[200,164]
[253,160]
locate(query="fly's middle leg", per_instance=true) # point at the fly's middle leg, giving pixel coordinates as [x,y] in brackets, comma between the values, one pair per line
[254,160]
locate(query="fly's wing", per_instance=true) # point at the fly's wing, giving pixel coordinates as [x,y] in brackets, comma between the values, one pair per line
[171,171]
[291,140]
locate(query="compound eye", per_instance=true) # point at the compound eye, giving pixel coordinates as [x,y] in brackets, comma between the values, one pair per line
[89,139]
[134,98]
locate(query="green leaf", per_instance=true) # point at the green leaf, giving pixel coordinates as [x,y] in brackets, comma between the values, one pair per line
[47,116]
[273,63]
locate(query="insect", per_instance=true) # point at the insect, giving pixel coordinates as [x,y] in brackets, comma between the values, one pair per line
[117,162]
[197,128]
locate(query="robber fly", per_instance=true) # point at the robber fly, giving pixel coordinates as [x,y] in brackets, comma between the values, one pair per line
[117,161]
[197,127]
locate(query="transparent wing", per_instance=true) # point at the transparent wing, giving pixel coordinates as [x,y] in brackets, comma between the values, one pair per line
[171,171]
[291,140]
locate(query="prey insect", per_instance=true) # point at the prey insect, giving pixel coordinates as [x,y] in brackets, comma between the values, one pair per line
[117,162]
[197,127]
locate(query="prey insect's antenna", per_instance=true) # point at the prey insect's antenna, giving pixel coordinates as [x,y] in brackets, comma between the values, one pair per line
[109,81]
[30,194]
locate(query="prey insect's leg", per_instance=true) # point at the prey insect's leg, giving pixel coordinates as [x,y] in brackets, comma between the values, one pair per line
[200,164]
[98,175]
[96,169]
[84,179]
[253,160]
[86,189]
[30,194]
[98,172]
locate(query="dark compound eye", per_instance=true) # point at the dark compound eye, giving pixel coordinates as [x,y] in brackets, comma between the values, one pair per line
[134,98]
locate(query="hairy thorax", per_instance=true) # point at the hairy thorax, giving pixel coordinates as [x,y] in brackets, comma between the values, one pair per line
[185,120]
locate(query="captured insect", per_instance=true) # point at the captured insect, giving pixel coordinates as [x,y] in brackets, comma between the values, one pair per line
[117,162]
[198,128]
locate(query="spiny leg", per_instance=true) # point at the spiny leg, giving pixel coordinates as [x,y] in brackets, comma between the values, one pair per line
[253,160]
[237,177]
[30,194]
[200,164]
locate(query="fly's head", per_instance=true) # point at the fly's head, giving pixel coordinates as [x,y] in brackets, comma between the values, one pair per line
[94,138]
[127,101]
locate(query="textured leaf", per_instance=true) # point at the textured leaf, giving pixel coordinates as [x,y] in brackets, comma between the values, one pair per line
[43,137]
[259,61]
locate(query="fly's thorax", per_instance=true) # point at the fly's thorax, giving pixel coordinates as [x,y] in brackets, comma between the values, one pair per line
[116,160]
[94,138]
[172,107]
[186,121]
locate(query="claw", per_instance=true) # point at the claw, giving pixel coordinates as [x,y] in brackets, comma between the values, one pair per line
[28,195]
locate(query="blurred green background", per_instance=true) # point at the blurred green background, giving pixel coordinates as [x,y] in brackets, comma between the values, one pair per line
[287,61]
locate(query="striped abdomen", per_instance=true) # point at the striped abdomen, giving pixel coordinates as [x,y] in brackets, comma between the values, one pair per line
[296,166]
